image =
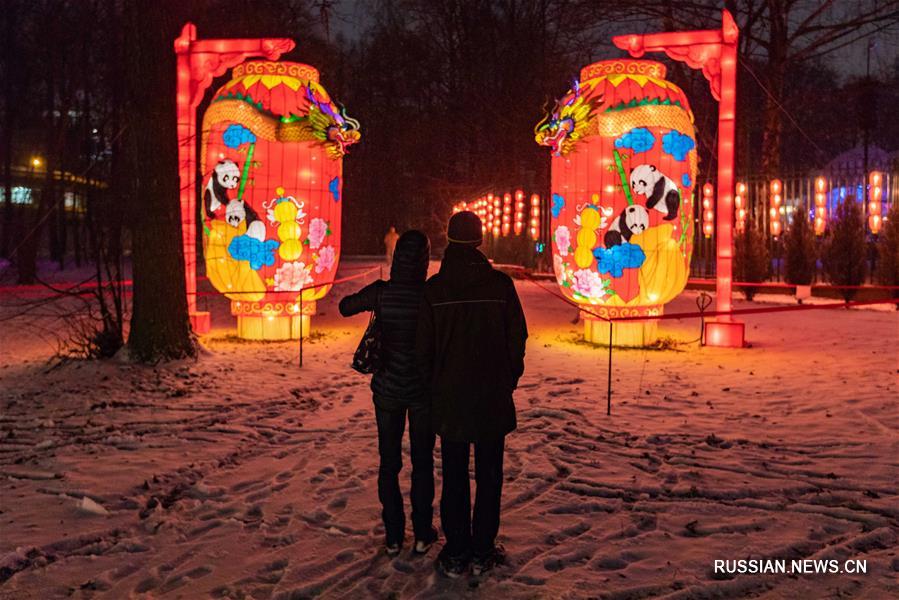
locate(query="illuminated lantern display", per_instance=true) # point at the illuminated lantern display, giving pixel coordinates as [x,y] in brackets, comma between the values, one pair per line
[875,193]
[775,204]
[623,171]
[740,207]
[271,157]
[820,205]
[519,212]
[708,212]
[500,216]
[535,217]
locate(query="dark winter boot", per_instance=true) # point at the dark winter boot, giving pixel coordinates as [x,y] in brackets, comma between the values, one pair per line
[422,545]
[451,566]
[485,562]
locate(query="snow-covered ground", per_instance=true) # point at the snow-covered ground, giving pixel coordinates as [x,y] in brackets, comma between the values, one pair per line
[241,475]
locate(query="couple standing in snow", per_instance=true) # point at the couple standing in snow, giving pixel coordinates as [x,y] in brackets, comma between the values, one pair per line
[453,352]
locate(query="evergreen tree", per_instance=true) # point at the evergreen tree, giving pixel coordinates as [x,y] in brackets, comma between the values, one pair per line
[887,272]
[799,245]
[752,262]
[843,257]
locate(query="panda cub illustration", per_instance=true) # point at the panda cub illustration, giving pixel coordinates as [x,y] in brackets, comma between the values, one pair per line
[632,220]
[660,191]
[225,176]
[239,211]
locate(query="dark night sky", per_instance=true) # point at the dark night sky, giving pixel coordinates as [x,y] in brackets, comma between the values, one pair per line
[351,17]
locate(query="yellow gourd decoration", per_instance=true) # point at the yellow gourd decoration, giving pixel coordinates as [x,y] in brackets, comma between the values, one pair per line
[586,237]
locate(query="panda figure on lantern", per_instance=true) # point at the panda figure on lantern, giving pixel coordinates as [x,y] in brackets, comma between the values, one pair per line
[274,140]
[624,165]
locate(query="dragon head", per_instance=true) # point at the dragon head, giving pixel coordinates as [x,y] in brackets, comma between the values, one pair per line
[568,122]
[329,122]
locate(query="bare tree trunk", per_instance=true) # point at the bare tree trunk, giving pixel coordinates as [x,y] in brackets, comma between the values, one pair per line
[773,123]
[8,128]
[159,324]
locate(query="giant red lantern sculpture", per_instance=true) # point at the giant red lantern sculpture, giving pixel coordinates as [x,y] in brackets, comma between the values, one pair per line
[271,151]
[623,171]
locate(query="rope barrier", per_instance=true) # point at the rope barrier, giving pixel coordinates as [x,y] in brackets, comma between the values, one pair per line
[704,314]
[62,288]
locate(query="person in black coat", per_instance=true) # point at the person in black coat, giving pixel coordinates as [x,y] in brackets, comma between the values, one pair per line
[470,345]
[398,390]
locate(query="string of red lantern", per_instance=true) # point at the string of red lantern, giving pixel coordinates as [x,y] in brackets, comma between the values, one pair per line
[775,201]
[820,205]
[740,207]
[708,214]
[503,215]
[875,193]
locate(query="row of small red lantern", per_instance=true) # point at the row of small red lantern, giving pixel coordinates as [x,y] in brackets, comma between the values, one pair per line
[496,213]
[775,224]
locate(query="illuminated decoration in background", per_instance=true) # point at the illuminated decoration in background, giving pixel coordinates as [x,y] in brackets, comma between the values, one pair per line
[820,205]
[198,62]
[624,168]
[708,213]
[740,207]
[272,147]
[503,215]
[535,216]
[775,207]
[714,51]
[875,193]
[507,214]
[519,212]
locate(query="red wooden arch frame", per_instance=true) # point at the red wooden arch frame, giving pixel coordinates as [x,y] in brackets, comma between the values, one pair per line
[199,61]
[715,52]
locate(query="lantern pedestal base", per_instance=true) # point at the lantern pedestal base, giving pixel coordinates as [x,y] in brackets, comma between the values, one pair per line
[624,334]
[272,328]
[725,334]
[200,322]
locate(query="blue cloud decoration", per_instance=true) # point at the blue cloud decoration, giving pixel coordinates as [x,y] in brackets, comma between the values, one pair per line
[638,139]
[235,135]
[677,144]
[558,205]
[613,261]
[259,254]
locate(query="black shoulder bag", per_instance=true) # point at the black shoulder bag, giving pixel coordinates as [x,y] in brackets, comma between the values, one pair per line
[368,356]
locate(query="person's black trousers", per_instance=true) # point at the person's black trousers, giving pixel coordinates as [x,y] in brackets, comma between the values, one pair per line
[466,535]
[391,425]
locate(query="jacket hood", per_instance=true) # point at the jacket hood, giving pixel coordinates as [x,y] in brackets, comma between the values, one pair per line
[464,265]
[410,258]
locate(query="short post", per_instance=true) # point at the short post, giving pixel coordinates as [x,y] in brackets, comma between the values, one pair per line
[609,392]
[301,327]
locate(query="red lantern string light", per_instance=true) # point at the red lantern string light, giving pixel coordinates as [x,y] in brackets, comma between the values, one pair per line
[740,206]
[519,212]
[507,213]
[820,205]
[535,216]
[708,213]
[775,200]
[875,193]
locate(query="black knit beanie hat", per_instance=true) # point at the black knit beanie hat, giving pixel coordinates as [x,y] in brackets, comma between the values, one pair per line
[464,228]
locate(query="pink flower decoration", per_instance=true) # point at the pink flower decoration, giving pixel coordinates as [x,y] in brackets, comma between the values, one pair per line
[292,277]
[325,259]
[563,239]
[589,284]
[318,229]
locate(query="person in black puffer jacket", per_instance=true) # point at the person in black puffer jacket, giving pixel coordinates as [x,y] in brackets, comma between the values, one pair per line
[470,345]
[398,389]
